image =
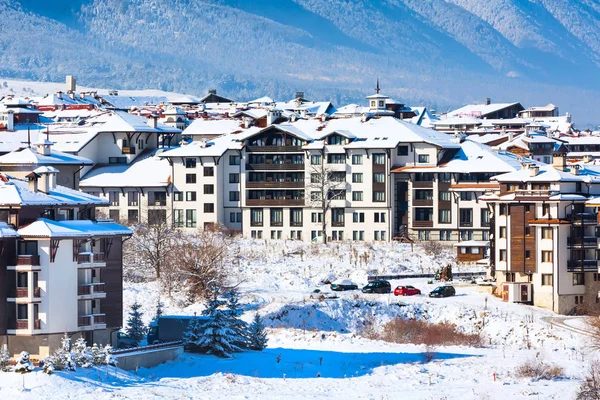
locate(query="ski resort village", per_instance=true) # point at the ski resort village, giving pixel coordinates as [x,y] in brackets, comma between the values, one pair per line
[159,245]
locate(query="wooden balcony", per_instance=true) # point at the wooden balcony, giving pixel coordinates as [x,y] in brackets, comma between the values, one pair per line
[275,185]
[275,167]
[84,320]
[37,292]
[22,324]
[90,289]
[274,202]
[87,321]
[422,224]
[422,203]
[37,324]
[25,259]
[99,319]
[422,184]
[22,292]
[274,149]
[90,258]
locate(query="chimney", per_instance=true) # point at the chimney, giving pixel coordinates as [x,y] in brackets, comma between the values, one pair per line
[153,121]
[574,169]
[10,120]
[534,170]
[71,84]
[488,101]
[47,178]
[273,116]
[32,182]
[43,147]
[212,91]
[587,159]
[246,122]
[59,94]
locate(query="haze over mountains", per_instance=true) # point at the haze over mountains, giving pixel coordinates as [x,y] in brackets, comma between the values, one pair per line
[439,53]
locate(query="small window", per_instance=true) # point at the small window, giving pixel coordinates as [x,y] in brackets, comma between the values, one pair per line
[357,159]
[578,278]
[315,159]
[190,163]
[528,254]
[234,160]
[357,177]
[423,158]
[190,196]
[546,279]
[209,171]
[234,196]
[402,151]
[379,159]
[190,178]
[209,189]
[234,178]
[357,196]
[502,209]
[209,208]
[547,233]
[378,197]
[547,256]
[178,196]
[502,255]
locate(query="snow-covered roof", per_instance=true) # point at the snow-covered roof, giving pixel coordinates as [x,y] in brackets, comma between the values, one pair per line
[145,171]
[6,231]
[29,156]
[480,110]
[43,227]
[547,173]
[215,127]
[16,192]
[262,100]
[460,120]
[121,102]
[472,243]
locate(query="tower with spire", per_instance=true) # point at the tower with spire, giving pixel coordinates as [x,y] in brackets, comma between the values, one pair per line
[377,103]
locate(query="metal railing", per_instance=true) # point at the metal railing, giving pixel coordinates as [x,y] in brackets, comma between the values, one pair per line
[85,258]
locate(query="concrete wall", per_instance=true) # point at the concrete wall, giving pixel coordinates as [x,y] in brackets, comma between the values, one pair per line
[146,359]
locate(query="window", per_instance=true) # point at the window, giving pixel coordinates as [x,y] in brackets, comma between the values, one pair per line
[423,158]
[502,209]
[357,196]
[357,159]
[315,159]
[485,217]
[337,176]
[547,256]
[114,215]
[379,159]
[190,218]
[466,196]
[113,198]
[209,171]
[315,196]
[336,158]
[234,195]
[133,216]
[376,217]
[234,178]
[378,196]
[424,235]
[133,199]
[527,231]
[510,277]
[547,233]
[546,279]
[337,216]
[178,218]
[234,160]
[423,195]
[190,163]
[190,196]
[232,217]
[402,151]
[157,217]
[190,178]
[502,255]
[379,217]
[578,299]
[276,216]
[546,210]
[502,232]
[357,177]
[316,217]
[445,196]
[296,217]
[256,217]
[358,217]
[209,208]
[578,278]
[445,216]
[315,178]
[178,196]
[445,235]
[117,160]
[209,189]
[376,236]
[445,177]
[527,254]
[466,217]
[466,235]
[379,177]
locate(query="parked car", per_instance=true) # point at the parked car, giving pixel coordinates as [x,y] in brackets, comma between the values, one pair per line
[406,291]
[322,294]
[344,284]
[443,291]
[379,286]
[124,341]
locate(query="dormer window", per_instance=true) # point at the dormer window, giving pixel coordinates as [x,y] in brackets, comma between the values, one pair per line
[380,103]
[373,103]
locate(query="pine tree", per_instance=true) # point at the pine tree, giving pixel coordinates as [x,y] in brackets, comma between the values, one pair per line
[192,335]
[257,336]
[135,327]
[239,326]
[217,336]
[159,310]
[80,352]
[4,359]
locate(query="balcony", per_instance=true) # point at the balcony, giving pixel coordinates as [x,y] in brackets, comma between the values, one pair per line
[422,184]
[536,193]
[274,149]
[422,203]
[589,241]
[88,321]
[22,324]
[582,265]
[422,224]
[88,259]
[22,292]
[584,218]
[466,224]
[274,202]
[296,223]
[27,259]
[485,224]
[275,185]
[337,223]
[275,167]
[37,324]
[157,203]
[128,150]
[91,290]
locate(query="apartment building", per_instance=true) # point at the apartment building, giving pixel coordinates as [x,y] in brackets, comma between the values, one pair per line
[60,271]
[544,239]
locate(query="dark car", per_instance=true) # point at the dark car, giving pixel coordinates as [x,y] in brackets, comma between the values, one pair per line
[443,291]
[344,284]
[379,286]
[406,291]
[125,342]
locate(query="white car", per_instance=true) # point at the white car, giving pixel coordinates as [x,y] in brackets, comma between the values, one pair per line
[322,294]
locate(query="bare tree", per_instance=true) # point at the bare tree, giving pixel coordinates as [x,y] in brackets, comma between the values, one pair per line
[325,186]
[201,258]
[152,243]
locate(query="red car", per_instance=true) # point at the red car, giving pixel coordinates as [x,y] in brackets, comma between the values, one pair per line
[406,291]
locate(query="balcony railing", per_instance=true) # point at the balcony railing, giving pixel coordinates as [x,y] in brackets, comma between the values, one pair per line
[88,258]
[274,185]
[90,289]
[85,320]
[485,224]
[157,203]
[422,203]
[582,242]
[422,224]
[91,319]
[27,259]
[535,193]
[581,265]
[422,184]
[337,223]
[275,167]
[274,149]
[296,223]
[466,224]
[22,324]
[276,223]
[22,292]
[584,217]
[37,324]
[274,202]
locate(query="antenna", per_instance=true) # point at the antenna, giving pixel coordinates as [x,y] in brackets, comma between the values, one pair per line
[28,135]
[377,88]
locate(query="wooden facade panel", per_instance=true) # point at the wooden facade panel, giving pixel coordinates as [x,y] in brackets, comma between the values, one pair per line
[112,275]
[522,239]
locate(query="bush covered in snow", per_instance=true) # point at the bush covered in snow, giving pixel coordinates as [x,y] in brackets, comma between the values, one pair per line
[590,387]
[420,332]
[538,369]
[69,357]
[24,365]
[257,336]
[4,360]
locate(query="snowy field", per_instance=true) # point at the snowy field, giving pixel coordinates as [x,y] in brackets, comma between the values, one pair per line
[316,349]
